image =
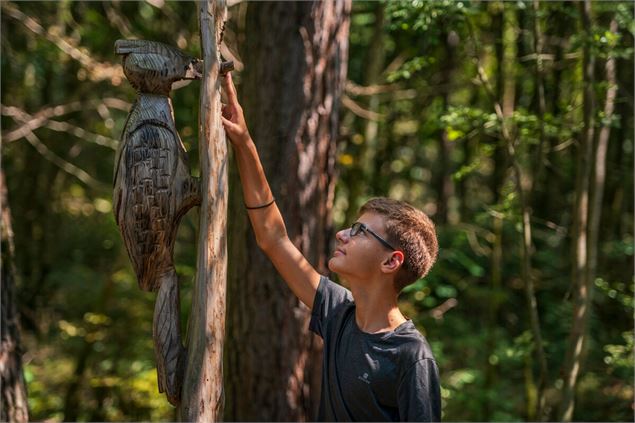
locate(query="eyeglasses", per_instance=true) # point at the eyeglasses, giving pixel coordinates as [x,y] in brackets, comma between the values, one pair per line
[358,227]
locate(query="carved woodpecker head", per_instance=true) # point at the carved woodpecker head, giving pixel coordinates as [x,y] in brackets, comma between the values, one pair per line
[152,67]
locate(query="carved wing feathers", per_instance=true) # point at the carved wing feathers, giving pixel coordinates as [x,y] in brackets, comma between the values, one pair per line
[150,210]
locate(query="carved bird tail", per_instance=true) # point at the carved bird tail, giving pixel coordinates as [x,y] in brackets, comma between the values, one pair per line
[166,331]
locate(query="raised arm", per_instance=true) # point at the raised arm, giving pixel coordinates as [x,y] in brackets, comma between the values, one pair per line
[265,217]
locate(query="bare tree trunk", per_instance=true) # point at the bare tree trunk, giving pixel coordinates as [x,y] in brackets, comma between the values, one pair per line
[536,171]
[535,411]
[13,402]
[582,285]
[294,75]
[202,395]
[538,161]
[524,182]
[599,159]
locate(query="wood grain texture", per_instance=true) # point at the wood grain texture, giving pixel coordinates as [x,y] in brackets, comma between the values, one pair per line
[153,189]
[202,395]
[292,108]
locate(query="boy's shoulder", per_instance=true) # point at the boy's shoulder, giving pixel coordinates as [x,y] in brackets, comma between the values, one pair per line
[412,346]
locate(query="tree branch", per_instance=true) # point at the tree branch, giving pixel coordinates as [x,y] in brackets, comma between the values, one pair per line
[30,123]
[67,167]
[359,110]
[97,71]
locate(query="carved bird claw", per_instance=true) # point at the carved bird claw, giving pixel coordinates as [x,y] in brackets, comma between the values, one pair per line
[227,66]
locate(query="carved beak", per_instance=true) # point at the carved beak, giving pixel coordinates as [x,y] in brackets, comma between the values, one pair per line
[194,70]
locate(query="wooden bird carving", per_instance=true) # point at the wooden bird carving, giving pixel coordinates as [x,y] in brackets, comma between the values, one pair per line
[153,189]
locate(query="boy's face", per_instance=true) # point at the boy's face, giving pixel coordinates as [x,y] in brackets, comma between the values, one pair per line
[361,256]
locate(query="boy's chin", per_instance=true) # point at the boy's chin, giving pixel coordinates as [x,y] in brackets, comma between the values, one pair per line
[333,264]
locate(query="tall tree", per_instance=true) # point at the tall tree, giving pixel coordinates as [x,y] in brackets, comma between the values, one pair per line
[581,282]
[13,402]
[293,78]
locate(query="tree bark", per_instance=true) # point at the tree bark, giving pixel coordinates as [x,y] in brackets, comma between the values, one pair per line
[202,393]
[13,402]
[293,79]
[582,285]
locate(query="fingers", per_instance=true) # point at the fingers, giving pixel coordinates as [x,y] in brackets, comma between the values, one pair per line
[227,123]
[230,89]
[232,130]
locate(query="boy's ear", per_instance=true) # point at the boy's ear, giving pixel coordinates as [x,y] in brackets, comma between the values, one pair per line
[394,262]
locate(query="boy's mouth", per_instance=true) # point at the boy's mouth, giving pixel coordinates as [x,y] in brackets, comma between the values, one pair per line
[338,251]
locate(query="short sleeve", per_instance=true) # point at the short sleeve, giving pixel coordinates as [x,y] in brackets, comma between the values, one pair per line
[419,393]
[328,297]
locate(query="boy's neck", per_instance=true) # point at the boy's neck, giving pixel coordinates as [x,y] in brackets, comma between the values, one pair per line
[376,309]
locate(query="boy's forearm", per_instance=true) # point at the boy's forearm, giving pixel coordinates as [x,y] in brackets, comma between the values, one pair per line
[267,222]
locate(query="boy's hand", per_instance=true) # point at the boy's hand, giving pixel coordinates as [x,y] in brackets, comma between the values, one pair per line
[232,114]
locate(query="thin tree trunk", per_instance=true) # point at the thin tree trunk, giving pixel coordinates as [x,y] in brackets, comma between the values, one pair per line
[618,189]
[495,183]
[364,166]
[202,395]
[552,192]
[13,401]
[582,285]
[600,156]
[536,171]
[523,184]
[530,294]
[293,79]
[491,373]
[445,184]
[538,161]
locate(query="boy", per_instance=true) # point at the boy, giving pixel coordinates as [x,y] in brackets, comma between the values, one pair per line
[376,366]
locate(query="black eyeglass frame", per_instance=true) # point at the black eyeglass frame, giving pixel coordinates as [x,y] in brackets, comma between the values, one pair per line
[358,227]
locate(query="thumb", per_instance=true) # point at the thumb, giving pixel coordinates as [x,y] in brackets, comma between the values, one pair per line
[228,124]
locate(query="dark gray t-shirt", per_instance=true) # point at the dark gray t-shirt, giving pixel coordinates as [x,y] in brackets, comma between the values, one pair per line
[389,376]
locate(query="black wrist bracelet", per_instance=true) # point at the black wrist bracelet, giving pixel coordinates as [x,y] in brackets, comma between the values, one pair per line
[260,207]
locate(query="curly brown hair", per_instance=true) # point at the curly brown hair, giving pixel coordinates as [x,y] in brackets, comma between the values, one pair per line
[411,231]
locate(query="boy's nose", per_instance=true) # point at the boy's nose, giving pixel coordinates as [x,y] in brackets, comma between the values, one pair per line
[343,235]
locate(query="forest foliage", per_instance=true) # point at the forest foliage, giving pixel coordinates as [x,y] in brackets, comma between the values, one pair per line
[474,111]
